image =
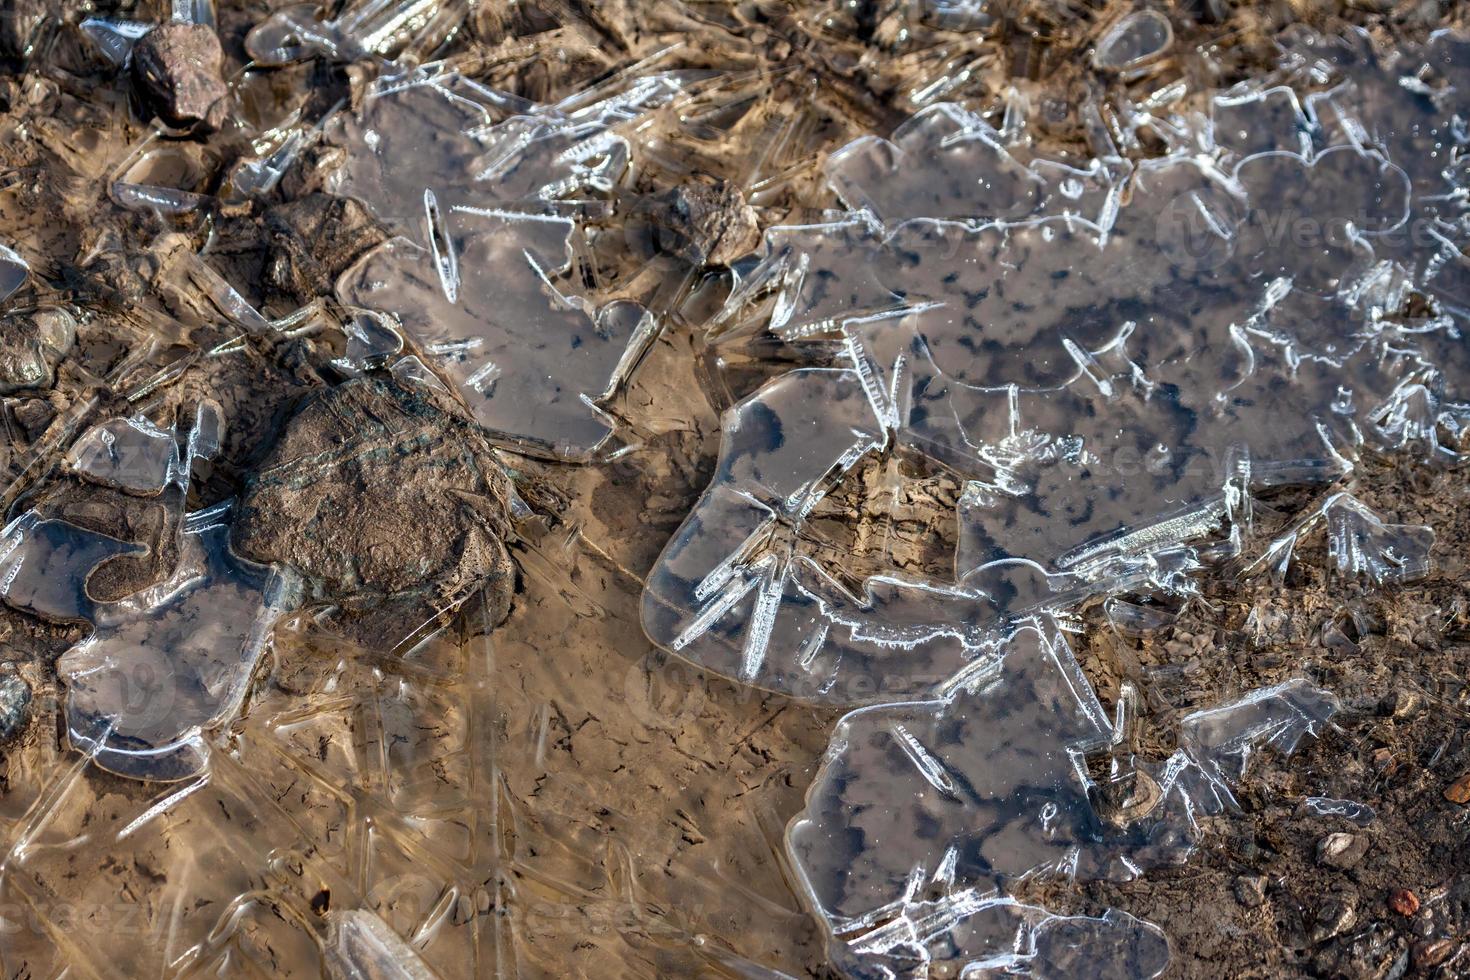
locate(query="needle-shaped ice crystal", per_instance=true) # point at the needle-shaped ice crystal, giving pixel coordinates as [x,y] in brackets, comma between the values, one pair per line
[363,28]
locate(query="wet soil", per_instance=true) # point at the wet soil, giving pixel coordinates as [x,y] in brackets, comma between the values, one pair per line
[1265,896]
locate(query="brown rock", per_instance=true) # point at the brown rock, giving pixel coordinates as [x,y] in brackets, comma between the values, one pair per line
[1459,790]
[1404,902]
[31,345]
[706,222]
[178,68]
[1250,891]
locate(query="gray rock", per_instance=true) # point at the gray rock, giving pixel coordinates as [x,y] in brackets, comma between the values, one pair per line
[15,705]
[1341,850]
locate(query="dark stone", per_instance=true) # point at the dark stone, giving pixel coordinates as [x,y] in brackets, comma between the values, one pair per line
[31,345]
[178,68]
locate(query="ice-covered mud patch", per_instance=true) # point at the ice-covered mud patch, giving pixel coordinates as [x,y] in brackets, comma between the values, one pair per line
[928,342]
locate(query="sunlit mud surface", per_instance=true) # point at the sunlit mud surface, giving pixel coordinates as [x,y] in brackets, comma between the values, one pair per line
[933,489]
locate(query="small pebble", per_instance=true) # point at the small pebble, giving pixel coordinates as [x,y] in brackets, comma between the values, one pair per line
[178,66]
[1383,762]
[1404,902]
[1459,790]
[1333,919]
[1341,850]
[1250,891]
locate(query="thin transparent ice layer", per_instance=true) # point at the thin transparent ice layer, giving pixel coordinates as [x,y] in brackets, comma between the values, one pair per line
[172,660]
[1360,814]
[975,932]
[476,276]
[1110,392]
[361,946]
[14,271]
[128,454]
[918,803]
[1359,544]
[45,564]
[531,362]
[1135,40]
[115,38]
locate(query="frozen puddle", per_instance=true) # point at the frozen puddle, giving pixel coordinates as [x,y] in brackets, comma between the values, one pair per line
[919,808]
[479,277]
[164,664]
[1113,357]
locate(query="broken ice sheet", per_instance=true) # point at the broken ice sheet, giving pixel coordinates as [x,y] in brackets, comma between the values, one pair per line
[129,454]
[972,932]
[14,271]
[477,147]
[949,163]
[930,802]
[164,663]
[1109,393]
[474,280]
[531,362]
[168,662]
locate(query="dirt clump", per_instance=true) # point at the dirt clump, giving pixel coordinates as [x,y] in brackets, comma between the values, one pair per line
[390,502]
